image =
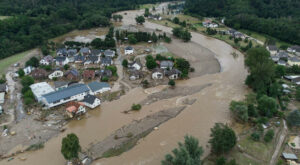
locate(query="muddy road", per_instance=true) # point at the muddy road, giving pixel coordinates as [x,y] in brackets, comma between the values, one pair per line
[209,56]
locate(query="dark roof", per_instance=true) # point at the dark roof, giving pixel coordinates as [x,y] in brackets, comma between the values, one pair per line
[296,47]
[85,50]
[95,86]
[129,48]
[294,59]
[3,87]
[58,84]
[93,58]
[89,99]
[272,47]
[96,52]
[166,64]
[72,52]
[106,60]
[62,51]
[74,72]
[282,54]
[158,70]
[60,59]
[88,74]
[109,52]
[172,72]
[39,73]
[135,73]
[66,92]
[79,58]
[104,73]
[289,156]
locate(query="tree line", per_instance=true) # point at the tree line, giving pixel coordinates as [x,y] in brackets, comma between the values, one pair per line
[34,22]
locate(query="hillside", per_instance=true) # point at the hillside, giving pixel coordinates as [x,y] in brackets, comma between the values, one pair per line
[277,18]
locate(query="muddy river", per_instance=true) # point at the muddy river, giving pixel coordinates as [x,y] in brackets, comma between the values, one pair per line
[214,65]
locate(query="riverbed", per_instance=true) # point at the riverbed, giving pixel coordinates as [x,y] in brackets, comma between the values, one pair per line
[214,65]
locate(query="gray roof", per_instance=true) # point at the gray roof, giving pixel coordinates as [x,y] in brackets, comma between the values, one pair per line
[73,72]
[95,86]
[96,52]
[79,58]
[72,52]
[66,92]
[85,50]
[296,47]
[172,72]
[282,54]
[109,52]
[167,64]
[60,59]
[58,84]
[158,70]
[106,60]
[93,58]
[289,156]
[294,59]
[89,99]
[62,51]
[3,87]
[272,47]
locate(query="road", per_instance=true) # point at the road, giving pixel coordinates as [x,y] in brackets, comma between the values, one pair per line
[279,144]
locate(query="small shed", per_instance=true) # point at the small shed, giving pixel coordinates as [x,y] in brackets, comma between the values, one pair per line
[289,156]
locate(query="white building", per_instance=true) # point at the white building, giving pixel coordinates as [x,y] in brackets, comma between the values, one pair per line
[40,89]
[56,74]
[61,61]
[129,50]
[28,70]
[158,74]
[135,66]
[91,101]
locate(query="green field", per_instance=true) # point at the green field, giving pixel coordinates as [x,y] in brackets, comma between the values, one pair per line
[5,63]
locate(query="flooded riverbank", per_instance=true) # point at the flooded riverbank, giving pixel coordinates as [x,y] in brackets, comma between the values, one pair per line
[211,106]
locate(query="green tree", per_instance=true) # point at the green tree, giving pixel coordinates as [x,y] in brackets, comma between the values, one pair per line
[27,81]
[172,83]
[125,63]
[188,153]
[240,110]
[150,62]
[70,146]
[280,71]
[255,136]
[132,39]
[147,13]
[267,106]
[154,37]
[66,67]
[261,67]
[140,19]
[21,72]
[33,61]
[176,20]
[115,18]
[298,93]
[177,31]
[269,135]
[223,139]
[136,107]
[293,118]
[186,36]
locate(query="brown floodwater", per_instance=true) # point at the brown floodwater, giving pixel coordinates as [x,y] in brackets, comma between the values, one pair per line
[210,107]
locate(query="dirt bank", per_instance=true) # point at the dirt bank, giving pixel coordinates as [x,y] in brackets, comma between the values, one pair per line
[128,135]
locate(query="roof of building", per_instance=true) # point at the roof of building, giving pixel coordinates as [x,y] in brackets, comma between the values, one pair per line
[41,88]
[48,58]
[60,58]
[88,73]
[58,84]
[166,64]
[109,52]
[62,51]
[104,72]
[66,92]
[38,73]
[106,60]
[282,54]
[95,86]
[79,58]
[73,106]
[172,72]
[289,156]
[281,62]
[96,52]
[158,70]
[74,72]
[272,47]
[136,73]
[93,58]
[294,59]
[3,87]
[296,47]
[72,52]
[129,48]
[89,99]
[85,50]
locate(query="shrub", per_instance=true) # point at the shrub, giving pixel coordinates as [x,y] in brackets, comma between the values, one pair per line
[255,136]
[293,118]
[172,83]
[136,107]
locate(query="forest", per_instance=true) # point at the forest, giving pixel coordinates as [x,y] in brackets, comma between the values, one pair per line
[33,22]
[276,18]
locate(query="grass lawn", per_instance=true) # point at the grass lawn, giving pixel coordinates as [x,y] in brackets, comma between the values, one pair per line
[263,37]
[4,17]
[242,159]
[149,6]
[260,150]
[5,63]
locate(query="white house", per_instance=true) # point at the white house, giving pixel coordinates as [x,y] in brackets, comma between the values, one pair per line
[157,74]
[75,108]
[40,89]
[61,61]
[109,53]
[129,50]
[56,74]
[47,60]
[135,66]
[294,49]
[272,49]
[28,70]
[91,101]
[98,87]
[173,74]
